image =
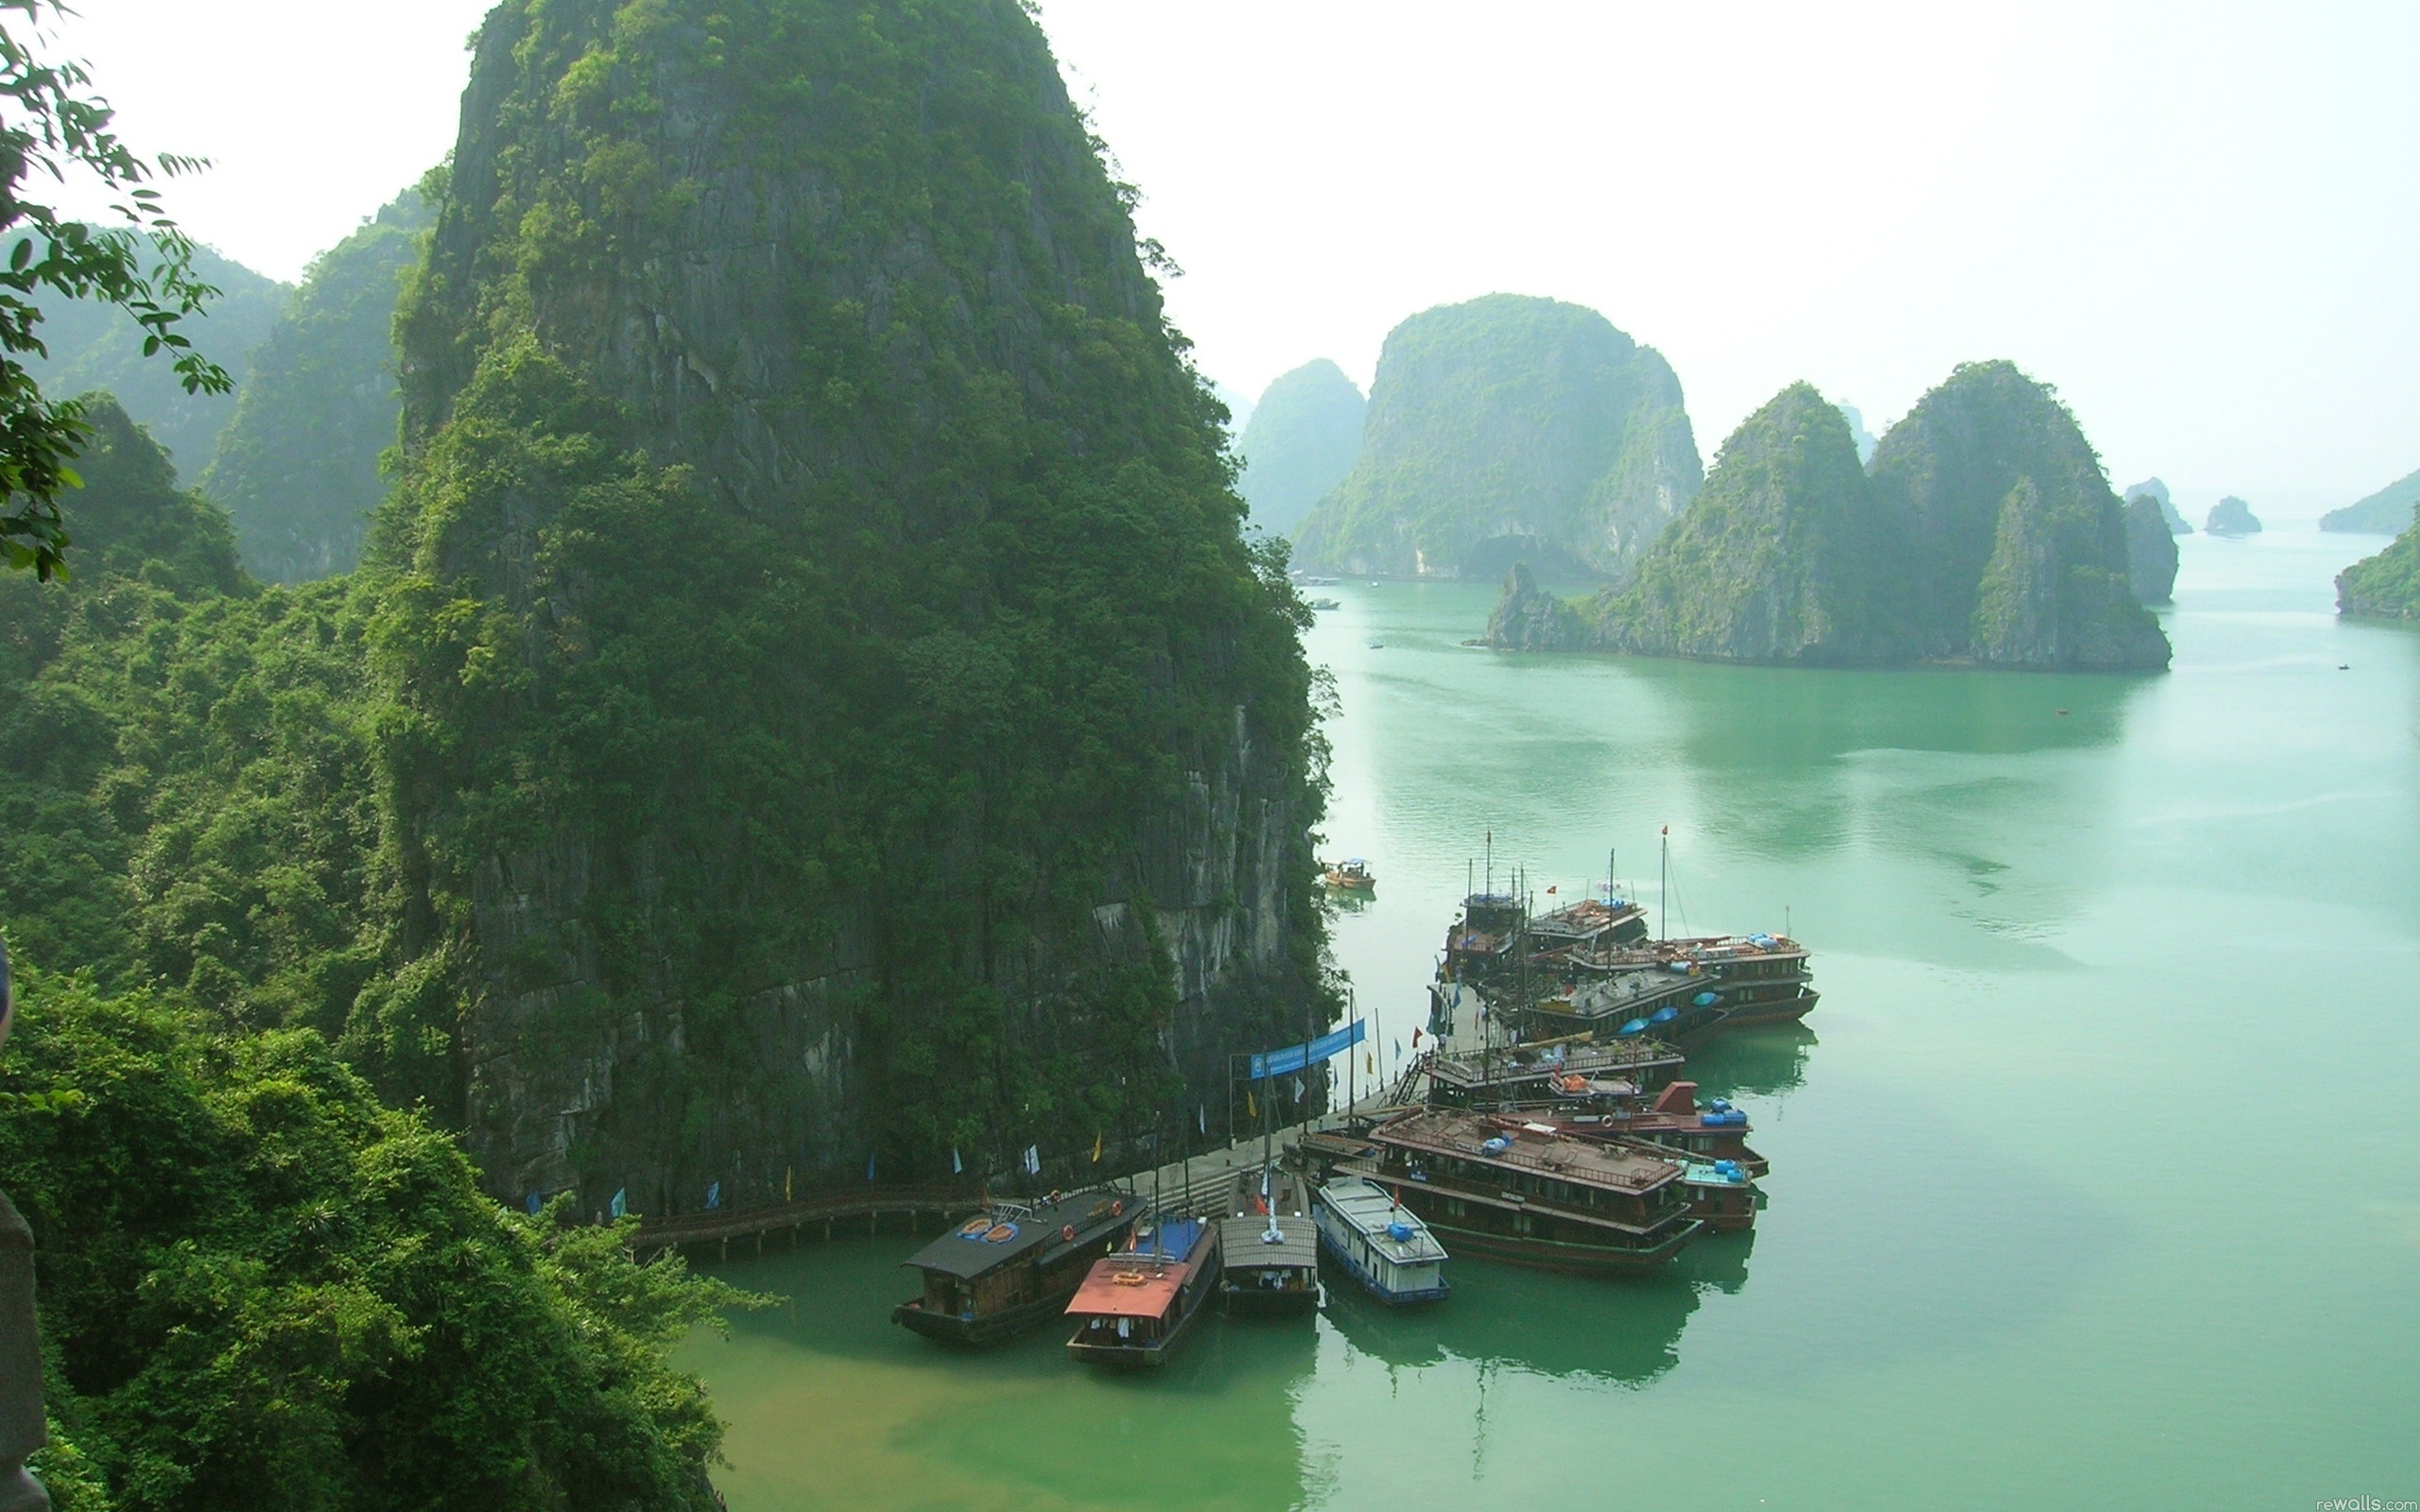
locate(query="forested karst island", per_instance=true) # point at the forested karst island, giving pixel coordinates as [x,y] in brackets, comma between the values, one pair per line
[1505,429]
[2385,585]
[2386,512]
[1983,531]
[1303,437]
[806,709]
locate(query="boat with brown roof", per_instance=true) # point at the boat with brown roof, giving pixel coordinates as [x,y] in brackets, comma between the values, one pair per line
[1673,1120]
[1518,1190]
[1013,1265]
[1135,1305]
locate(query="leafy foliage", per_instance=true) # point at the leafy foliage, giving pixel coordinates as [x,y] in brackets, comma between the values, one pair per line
[1505,428]
[57,125]
[263,1289]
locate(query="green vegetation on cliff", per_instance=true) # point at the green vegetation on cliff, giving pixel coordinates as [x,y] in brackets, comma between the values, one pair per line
[834,715]
[297,467]
[1510,428]
[1302,439]
[261,1287]
[2386,585]
[2387,512]
[1984,530]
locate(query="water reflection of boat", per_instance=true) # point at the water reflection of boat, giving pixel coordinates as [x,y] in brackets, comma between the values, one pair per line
[1378,1242]
[1011,1266]
[1136,1304]
[1755,1062]
[1625,1330]
[1269,1245]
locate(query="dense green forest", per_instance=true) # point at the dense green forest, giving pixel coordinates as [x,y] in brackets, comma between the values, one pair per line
[260,1286]
[296,466]
[1983,530]
[1506,428]
[2385,585]
[1303,437]
[806,716]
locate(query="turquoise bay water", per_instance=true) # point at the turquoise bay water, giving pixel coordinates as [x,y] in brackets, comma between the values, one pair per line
[2096,1176]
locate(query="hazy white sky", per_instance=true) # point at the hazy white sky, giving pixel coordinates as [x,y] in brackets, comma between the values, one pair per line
[2200,221]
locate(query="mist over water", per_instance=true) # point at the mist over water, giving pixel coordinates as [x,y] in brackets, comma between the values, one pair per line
[2095,1175]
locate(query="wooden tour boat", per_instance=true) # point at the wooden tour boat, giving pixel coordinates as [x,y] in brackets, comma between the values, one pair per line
[1136,1304]
[1716,1132]
[1520,1191]
[1013,1266]
[1268,1246]
[1351,876]
[1381,1244]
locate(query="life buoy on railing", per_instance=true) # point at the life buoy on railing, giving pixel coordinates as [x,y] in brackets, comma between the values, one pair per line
[1117,1210]
[1067,1234]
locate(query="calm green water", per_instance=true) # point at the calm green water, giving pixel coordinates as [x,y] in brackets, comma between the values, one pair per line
[2096,1176]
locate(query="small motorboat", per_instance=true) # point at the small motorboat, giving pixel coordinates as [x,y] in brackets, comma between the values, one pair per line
[1353,876]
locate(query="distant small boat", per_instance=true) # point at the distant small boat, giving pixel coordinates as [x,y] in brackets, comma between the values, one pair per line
[1326,603]
[1381,1244]
[1353,875]
[1377,646]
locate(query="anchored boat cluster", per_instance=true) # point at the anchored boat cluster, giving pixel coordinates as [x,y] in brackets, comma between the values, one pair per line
[1569,1138]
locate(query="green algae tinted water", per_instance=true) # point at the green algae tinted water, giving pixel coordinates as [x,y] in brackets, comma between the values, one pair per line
[2096,1176]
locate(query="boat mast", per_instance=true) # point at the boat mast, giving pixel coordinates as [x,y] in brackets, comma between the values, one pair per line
[1664,888]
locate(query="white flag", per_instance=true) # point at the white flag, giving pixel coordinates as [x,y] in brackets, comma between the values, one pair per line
[1033,1160]
[955,1168]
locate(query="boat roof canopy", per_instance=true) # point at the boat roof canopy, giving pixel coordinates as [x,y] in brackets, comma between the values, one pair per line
[970,1251]
[1129,1286]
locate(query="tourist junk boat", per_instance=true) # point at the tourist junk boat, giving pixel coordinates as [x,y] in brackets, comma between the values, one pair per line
[1268,1256]
[1381,1244]
[1674,1121]
[1013,1266]
[1353,875]
[1135,1304]
[1719,1196]
[1518,1191]
[1540,1074]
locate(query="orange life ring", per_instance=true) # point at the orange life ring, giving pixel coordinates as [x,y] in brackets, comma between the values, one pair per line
[1067,1234]
[1117,1210]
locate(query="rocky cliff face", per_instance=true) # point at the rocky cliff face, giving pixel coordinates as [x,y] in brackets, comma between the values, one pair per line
[845,724]
[2151,551]
[1303,437]
[1509,429]
[297,467]
[1984,531]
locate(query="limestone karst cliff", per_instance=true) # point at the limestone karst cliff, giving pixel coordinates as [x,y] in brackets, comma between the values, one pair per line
[2151,551]
[841,721]
[297,467]
[1303,437]
[1983,531]
[1505,429]
[2156,491]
